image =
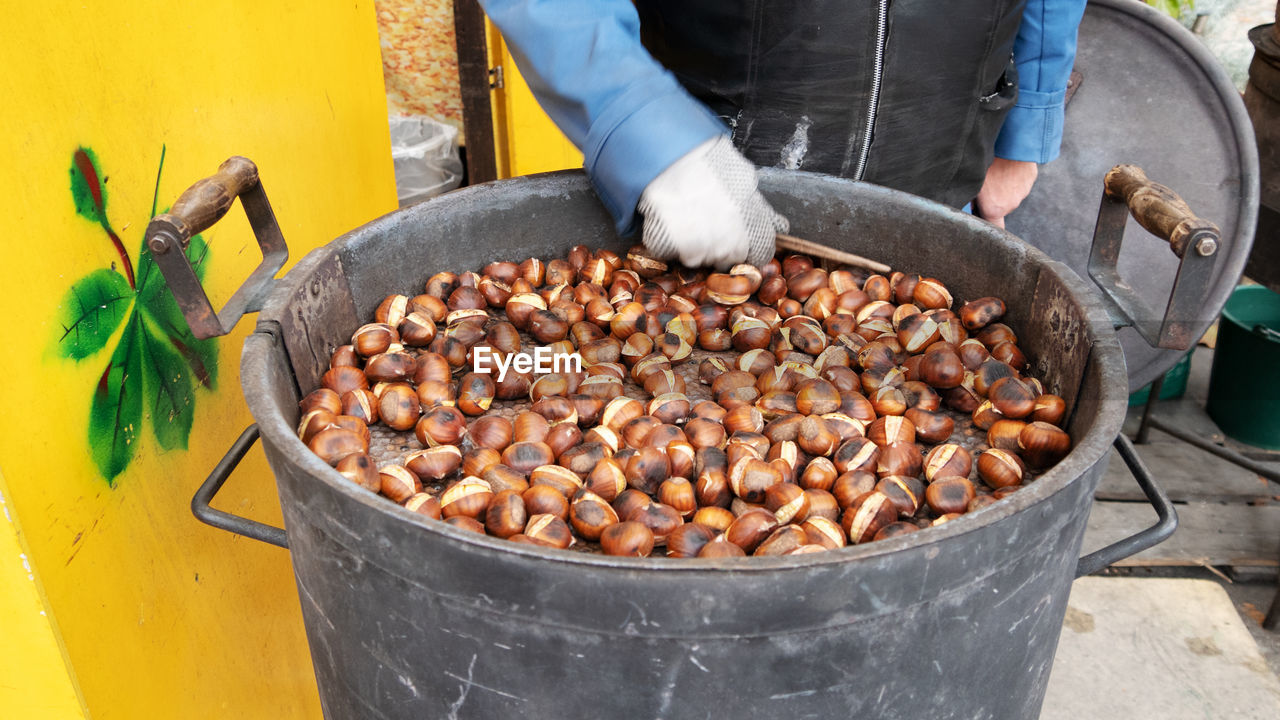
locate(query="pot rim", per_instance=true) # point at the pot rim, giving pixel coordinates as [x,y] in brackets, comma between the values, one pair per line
[1087,452]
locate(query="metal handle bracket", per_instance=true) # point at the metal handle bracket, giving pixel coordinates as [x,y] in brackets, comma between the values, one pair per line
[1196,242]
[1152,536]
[200,503]
[198,208]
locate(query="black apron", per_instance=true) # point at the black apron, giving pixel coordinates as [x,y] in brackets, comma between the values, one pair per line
[796,81]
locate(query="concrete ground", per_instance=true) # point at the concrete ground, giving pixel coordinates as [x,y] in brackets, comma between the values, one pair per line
[1178,632]
[1157,648]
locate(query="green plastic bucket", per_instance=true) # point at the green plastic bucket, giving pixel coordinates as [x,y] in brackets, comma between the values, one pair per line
[1175,384]
[1244,385]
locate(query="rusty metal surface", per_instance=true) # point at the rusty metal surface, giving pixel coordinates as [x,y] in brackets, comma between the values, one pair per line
[1181,119]
[1262,99]
[167,238]
[321,317]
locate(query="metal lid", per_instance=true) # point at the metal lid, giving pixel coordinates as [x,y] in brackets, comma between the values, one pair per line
[1149,94]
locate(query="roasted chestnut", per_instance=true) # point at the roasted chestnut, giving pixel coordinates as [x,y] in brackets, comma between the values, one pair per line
[564,480]
[434,463]
[1049,409]
[441,425]
[720,547]
[590,515]
[523,457]
[627,538]
[619,411]
[678,492]
[823,504]
[787,502]
[905,492]
[863,519]
[1000,468]
[424,504]
[930,293]
[931,427]
[478,460]
[343,379]
[891,429]
[726,289]
[492,431]
[858,453]
[750,333]
[544,499]
[850,486]
[335,443]
[469,496]
[816,437]
[895,529]
[1042,444]
[899,458]
[949,459]
[751,528]
[647,469]
[500,477]
[549,531]
[949,495]
[816,397]
[506,514]
[977,314]
[359,468]
[1009,353]
[825,532]
[751,477]
[941,368]
[661,519]
[1012,398]
[556,410]
[398,483]
[1003,434]
[373,338]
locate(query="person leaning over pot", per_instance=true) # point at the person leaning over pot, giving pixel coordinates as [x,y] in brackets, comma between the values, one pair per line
[672,101]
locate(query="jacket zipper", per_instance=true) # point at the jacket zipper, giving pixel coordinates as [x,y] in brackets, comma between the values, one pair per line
[882,28]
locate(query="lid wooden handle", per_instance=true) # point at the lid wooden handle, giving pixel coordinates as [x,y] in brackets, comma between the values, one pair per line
[205,202]
[1159,209]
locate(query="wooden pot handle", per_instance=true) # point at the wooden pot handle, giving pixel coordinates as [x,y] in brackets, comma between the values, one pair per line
[1157,208]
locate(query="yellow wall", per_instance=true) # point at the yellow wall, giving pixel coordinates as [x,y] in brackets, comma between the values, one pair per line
[160,616]
[525,139]
[32,660]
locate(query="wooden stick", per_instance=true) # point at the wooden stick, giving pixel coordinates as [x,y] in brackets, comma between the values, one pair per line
[795,244]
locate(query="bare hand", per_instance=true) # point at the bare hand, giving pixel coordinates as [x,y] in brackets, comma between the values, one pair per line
[1007,184]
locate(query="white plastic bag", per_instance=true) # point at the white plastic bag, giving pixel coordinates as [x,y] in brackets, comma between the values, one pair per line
[425,154]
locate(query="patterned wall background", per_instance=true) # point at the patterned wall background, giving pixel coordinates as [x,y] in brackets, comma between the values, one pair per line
[420,59]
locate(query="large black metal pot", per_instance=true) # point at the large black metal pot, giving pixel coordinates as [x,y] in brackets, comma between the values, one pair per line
[411,618]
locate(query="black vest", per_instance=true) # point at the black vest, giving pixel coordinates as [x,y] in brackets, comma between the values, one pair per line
[796,81]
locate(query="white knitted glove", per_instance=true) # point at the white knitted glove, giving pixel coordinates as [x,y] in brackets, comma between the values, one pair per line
[706,211]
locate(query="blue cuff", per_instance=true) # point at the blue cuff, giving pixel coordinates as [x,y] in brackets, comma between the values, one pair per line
[1032,131]
[638,136]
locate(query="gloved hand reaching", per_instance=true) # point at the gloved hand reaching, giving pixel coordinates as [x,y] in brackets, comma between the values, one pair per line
[705,210]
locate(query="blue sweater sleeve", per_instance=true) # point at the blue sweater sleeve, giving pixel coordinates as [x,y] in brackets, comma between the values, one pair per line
[1044,51]
[584,63]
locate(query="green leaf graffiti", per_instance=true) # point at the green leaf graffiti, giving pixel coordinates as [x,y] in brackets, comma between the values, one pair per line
[91,311]
[116,412]
[169,388]
[86,187]
[157,363]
